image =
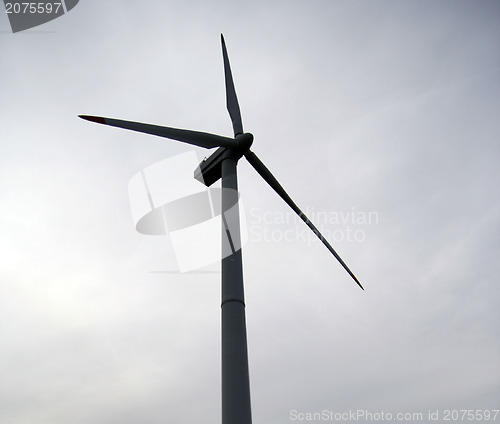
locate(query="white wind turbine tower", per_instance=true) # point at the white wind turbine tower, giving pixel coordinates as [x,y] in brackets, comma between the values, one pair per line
[222,164]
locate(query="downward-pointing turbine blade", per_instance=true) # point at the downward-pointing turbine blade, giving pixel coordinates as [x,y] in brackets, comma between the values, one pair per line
[273,182]
[196,138]
[231,99]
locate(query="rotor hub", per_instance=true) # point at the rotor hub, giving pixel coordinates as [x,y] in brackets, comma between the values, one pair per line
[244,142]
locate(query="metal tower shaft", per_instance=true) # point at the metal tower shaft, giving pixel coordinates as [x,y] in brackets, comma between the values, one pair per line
[235,377]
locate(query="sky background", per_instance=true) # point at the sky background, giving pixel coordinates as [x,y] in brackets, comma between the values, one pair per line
[390,107]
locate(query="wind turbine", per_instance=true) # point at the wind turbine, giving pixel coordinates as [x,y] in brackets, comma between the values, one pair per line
[222,164]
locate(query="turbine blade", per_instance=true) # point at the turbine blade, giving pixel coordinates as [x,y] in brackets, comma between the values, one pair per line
[231,99]
[196,138]
[273,182]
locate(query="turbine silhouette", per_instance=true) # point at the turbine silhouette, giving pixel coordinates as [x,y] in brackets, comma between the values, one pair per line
[222,165]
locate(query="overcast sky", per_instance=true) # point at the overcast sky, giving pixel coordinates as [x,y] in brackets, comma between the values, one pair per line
[379,117]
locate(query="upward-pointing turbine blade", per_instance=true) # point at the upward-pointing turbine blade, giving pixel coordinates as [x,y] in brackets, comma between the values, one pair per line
[231,99]
[196,138]
[273,182]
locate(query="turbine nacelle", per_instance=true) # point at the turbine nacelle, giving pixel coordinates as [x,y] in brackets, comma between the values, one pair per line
[210,169]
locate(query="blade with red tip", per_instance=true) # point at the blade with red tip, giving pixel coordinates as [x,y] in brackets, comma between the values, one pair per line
[196,138]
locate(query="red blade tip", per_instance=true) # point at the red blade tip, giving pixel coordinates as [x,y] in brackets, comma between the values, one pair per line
[97,119]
